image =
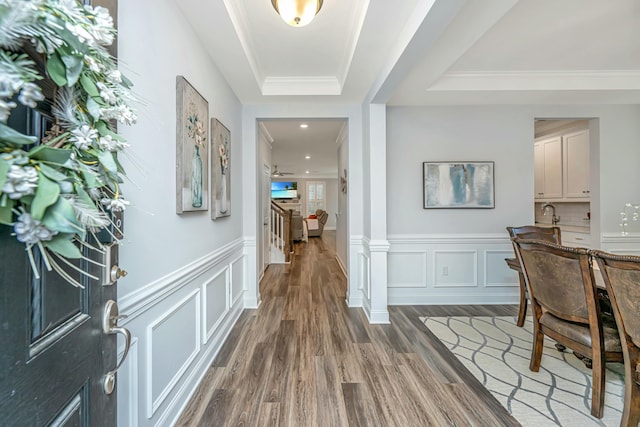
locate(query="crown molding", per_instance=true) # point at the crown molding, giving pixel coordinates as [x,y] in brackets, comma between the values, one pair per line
[266,133]
[240,23]
[351,44]
[301,86]
[538,80]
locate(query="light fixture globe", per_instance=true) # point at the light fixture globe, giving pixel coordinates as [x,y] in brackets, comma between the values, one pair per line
[297,13]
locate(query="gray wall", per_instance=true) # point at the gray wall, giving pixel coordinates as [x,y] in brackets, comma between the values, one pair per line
[503,134]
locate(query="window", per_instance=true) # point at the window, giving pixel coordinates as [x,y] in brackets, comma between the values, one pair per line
[315,196]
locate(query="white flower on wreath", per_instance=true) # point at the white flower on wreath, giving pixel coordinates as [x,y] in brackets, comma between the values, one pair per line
[110,144]
[83,137]
[121,113]
[30,95]
[107,93]
[31,231]
[102,30]
[20,181]
[115,205]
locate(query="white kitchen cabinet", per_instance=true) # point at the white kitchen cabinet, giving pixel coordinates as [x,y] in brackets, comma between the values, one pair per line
[561,167]
[548,168]
[575,147]
[575,239]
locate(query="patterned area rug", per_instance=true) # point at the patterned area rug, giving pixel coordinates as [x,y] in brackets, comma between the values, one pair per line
[497,352]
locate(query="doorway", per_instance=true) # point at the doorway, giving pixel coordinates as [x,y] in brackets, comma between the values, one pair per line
[299,151]
[567,178]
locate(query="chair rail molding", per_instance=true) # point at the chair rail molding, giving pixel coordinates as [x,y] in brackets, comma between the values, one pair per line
[135,303]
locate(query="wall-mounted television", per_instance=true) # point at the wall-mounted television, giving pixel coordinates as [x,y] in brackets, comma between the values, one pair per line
[284,190]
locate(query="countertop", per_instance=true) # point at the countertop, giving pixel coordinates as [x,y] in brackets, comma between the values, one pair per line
[569,228]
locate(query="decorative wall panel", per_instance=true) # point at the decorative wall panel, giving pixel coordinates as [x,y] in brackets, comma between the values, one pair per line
[215,299]
[237,278]
[455,268]
[409,267]
[496,272]
[127,383]
[173,342]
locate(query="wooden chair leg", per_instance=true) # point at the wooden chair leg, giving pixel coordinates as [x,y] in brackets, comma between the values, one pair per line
[631,410]
[538,346]
[522,312]
[597,385]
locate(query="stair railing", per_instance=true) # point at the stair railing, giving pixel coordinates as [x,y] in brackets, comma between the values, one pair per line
[281,235]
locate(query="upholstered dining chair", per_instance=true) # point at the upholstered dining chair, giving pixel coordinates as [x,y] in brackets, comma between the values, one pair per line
[621,274]
[550,234]
[565,307]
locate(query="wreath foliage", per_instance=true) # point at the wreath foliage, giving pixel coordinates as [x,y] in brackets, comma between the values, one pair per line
[55,191]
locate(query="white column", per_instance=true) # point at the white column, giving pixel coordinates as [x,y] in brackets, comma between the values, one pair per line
[250,217]
[378,243]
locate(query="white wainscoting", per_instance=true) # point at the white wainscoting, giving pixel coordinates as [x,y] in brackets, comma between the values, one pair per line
[178,324]
[216,302]
[127,387]
[173,342]
[358,264]
[409,267]
[619,244]
[363,271]
[495,275]
[454,268]
[451,269]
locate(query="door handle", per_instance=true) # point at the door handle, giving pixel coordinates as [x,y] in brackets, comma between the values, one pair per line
[110,326]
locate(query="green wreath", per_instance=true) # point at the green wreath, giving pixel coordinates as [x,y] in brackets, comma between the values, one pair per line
[55,191]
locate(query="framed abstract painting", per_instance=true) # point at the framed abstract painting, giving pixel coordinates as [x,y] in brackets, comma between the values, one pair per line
[451,185]
[192,156]
[220,170]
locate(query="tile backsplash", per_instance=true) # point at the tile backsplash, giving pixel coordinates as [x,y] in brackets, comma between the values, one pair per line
[570,213]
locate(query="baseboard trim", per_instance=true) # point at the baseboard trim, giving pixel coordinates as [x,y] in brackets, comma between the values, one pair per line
[342,267]
[378,316]
[454,299]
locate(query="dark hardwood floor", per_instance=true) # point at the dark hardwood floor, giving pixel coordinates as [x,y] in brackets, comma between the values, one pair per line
[303,358]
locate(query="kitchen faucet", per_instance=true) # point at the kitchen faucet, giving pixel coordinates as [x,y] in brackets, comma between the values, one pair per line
[554,219]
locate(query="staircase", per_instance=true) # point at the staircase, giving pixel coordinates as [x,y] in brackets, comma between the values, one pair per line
[281,241]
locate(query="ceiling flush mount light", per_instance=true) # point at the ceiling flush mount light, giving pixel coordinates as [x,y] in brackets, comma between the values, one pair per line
[307,157]
[297,13]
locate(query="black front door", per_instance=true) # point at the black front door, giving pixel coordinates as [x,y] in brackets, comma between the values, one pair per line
[54,353]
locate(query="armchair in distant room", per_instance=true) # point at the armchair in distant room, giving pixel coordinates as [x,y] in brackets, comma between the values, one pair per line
[315,226]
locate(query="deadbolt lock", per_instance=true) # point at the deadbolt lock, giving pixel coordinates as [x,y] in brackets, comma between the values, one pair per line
[117,272]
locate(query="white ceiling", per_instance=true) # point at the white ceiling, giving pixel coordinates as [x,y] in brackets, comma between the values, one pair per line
[291,144]
[424,52]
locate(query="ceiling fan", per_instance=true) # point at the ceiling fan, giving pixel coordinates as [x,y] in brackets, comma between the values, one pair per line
[276,172]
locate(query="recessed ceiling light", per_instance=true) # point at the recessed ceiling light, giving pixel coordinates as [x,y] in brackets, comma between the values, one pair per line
[304,125]
[306,171]
[307,157]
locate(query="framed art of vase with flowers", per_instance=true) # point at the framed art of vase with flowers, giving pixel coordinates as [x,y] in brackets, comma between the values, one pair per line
[220,170]
[192,154]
